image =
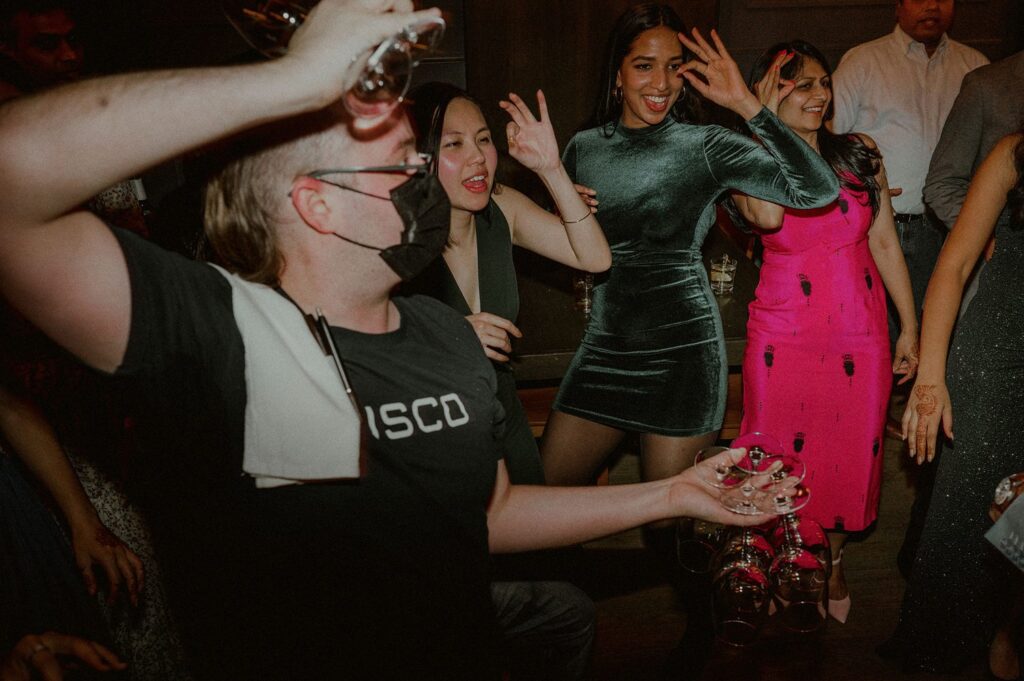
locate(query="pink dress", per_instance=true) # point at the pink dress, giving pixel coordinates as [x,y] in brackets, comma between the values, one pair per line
[817,368]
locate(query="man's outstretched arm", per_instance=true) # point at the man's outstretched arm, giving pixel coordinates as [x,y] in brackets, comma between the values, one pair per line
[58,265]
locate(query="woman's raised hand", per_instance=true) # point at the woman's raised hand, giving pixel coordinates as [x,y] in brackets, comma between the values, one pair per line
[531,141]
[773,88]
[493,332]
[928,409]
[721,81]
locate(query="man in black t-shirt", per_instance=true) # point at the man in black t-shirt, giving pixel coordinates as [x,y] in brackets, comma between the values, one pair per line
[282,562]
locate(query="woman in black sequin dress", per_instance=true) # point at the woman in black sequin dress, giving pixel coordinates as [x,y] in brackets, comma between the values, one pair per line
[949,613]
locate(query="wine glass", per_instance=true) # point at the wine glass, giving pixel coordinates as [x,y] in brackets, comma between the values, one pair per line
[741,589]
[698,544]
[758,445]
[799,574]
[384,72]
[733,472]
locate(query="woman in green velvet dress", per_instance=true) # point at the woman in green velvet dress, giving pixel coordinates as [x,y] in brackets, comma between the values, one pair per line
[652,359]
[476,275]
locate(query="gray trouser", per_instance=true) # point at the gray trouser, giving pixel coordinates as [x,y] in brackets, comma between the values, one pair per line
[921,240]
[547,629]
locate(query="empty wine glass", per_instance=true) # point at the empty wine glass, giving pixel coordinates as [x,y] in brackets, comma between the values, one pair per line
[733,472]
[746,545]
[697,544]
[740,597]
[780,491]
[799,575]
[758,445]
[384,72]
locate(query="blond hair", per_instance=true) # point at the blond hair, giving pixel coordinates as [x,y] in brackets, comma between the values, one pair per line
[243,196]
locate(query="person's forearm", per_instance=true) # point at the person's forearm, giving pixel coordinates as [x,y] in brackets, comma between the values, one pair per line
[892,268]
[537,517]
[586,238]
[941,304]
[115,127]
[36,445]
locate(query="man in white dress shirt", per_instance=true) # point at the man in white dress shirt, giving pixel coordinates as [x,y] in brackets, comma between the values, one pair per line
[899,89]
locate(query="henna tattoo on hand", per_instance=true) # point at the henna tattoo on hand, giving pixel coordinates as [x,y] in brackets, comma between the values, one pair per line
[925,400]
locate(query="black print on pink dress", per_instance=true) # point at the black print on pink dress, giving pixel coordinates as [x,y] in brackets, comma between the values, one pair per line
[798,442]
[805,284]
[839,522]
[867,278]
[848,365]
[769,355]
[874,447]
[843,206]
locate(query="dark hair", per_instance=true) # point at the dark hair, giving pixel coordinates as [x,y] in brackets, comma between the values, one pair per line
[428,105]
[1015,197]
[627,29]
[854,162]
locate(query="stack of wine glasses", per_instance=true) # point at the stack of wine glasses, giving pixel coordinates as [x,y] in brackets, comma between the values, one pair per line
[780,568]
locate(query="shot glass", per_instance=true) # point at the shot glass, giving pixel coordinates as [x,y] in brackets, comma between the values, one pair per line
[723,274]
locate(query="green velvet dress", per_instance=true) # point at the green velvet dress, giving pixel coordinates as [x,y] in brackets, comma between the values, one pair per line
[652,357]
[499,295]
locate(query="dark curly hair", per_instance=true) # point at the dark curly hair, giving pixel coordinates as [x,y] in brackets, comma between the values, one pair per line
[627,29]
[854,162]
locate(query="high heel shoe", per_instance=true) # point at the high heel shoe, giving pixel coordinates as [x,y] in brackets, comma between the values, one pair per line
[839,609]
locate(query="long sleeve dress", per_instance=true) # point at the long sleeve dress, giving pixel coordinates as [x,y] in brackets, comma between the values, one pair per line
[652,358]
[816,370]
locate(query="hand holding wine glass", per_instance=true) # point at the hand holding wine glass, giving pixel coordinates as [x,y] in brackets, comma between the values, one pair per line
[363,51]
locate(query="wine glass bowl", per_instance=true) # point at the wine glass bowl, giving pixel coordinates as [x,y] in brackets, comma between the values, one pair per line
[719,467]
[381,75]
[740,597]
[799,582]
[758,445]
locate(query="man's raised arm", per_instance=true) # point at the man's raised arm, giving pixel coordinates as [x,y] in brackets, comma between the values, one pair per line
[58,264]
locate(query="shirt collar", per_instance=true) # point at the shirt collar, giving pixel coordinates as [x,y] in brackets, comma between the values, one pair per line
[907,44]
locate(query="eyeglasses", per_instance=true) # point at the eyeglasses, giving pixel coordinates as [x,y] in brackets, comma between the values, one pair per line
[421,168]
[384,73]
[416,169]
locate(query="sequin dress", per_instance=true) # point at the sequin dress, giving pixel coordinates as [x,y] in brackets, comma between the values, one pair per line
[958,583]
[652,358]
[817,369]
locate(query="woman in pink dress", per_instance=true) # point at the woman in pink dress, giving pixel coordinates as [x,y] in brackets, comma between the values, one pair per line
[816,371]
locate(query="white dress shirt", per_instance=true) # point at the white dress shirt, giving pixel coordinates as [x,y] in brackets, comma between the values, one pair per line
[891,90]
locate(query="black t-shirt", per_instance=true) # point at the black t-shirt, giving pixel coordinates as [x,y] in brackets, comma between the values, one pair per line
[365,579]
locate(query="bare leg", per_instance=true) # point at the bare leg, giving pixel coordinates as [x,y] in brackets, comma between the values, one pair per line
[837,589]
[573,449]
[663,456]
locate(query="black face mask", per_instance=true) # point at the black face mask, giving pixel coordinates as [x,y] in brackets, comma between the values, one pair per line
[423,205]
